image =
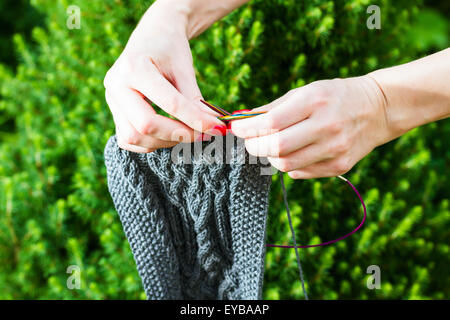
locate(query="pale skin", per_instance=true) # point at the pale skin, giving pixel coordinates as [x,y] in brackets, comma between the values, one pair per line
[157,63]
[319,130]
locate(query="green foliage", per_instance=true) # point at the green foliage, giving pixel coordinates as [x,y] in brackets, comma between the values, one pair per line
[55,210]
[16,16]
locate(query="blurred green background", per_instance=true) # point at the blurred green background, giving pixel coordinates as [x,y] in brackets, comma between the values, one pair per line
[55,210]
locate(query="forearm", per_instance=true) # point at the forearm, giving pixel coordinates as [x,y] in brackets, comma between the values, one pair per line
[416,93]
[198,15]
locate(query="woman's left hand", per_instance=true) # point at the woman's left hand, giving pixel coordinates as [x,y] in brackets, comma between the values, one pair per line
[320,130]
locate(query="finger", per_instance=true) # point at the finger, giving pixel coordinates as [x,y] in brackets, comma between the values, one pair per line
[323,169]
[146,121]
[317,170]
[128,136]
[132,148]
[159,90]
[283,142]
[282,114]
[185,82]
[299,159]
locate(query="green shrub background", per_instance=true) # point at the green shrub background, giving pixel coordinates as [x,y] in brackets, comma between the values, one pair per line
[55,210]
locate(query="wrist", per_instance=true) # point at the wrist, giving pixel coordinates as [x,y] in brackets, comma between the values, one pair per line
[394,124]
[408,105]
[166,17]
[182,16]
[198,15]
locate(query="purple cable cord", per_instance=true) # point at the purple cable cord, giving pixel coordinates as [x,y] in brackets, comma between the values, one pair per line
[335,240]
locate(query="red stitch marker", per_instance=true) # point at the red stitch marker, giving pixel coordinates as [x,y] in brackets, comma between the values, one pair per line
[221,129]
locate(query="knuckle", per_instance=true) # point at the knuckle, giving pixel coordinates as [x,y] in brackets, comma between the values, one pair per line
[342,165]
[130,137]
[281,146]
[283,165]
[273,122]
[319,95]
[294,175]
[115,76]
[334,126]
[342,145]
[146,127]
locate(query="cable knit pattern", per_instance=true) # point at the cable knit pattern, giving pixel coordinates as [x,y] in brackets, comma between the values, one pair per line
[197,231]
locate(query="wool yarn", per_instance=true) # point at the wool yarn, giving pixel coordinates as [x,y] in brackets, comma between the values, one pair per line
[197,230]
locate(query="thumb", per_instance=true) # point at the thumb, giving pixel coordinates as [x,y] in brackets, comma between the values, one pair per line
[186,84]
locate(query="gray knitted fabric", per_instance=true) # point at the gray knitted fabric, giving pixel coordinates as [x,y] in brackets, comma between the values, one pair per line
[197,231]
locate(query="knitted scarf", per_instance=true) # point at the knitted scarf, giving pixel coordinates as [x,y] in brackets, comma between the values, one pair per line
[196,231]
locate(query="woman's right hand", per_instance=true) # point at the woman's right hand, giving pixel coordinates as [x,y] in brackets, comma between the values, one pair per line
[156,65]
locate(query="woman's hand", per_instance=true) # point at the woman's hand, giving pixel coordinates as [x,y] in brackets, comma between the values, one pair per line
[324,128]
[156,65]
[319,130]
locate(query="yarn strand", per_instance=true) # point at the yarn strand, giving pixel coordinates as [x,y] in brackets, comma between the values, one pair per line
[300,270]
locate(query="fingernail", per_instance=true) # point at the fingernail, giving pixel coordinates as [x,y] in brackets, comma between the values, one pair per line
[222,129]
[241,111]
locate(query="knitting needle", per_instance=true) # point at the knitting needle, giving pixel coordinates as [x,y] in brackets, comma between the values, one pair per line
[215,108]
[238,116]
[226,116]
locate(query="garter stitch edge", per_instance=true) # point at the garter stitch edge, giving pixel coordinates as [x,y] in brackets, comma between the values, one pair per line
[196,231]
